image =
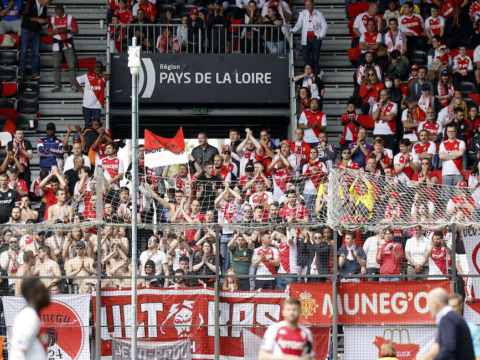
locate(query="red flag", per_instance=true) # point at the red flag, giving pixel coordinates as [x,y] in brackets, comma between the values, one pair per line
[160,151]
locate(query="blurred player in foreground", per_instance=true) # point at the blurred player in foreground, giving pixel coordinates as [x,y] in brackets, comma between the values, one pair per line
[29,338]
[287,340]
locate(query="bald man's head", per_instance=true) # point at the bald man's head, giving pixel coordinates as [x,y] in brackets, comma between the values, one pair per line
[437,300]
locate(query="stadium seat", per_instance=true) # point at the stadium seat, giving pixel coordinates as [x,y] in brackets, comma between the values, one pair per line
[475,97]
[438,173]
[417,57]
[8,57]
[455,52]
[8,73]
[28,90]
[354,53]
[27,106]
[366,121]
[357,8]
[7,104]
[27,122]
[8,89]
[166,7]
[470,102]
[466,86]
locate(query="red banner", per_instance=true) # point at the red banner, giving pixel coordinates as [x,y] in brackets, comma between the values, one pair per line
[171,313]
[367,302]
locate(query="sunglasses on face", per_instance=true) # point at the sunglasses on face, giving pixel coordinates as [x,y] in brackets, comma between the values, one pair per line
[79,247]
[247,210]
[346,153]
[317,237]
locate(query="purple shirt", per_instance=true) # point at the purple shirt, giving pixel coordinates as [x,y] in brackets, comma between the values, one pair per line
[358,156]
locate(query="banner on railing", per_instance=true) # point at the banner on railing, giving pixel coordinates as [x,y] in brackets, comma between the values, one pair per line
[190,313]
[471,241]
[367,302]
[203,78]
[66,321]
[147,350]
[365,342]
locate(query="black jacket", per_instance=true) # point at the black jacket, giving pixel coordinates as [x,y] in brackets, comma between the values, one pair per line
[202,156]
[454,338]
[30,10]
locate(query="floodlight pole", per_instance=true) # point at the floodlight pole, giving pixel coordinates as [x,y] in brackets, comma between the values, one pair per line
[134,65]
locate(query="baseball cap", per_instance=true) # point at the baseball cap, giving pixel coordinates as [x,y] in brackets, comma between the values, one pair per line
[444,72]
[12,168]
[285,142]
[414,67]
[194,11]
[227,148]
[388,171]
[108,133]
[442,47]
[249,167]
[80,243]
[462,184]
[51,126]
[425,87]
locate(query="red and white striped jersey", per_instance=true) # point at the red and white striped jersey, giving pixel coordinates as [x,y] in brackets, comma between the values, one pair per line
[407,172]
[434,25]
[455,166]
[475,11]
[462,64]
[361,22]
[266,197]
[279,339]
[429,147]
[111,168]
[370,39]
[65,22]
[413,24]
[280,178]
[300,212]
[94,95]
[288,258]
[437,262]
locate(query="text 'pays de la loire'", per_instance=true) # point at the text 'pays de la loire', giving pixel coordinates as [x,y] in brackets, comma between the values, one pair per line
[256,78]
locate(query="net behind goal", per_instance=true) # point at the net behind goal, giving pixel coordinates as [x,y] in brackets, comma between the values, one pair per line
[358,199]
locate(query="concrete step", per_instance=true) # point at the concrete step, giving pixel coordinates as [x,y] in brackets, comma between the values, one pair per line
[61,108]
[330,44]
[46,60]
[97,3]
[66,94]
[86,30]
[318,5]
[333,92]
[331,13]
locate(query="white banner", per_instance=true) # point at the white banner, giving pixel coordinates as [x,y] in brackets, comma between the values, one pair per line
[411,342]
[66,320]
[147,350]
[471,240]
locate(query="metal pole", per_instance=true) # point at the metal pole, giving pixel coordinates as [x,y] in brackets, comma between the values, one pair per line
[217,294]
[335,297]
[293,101]
[107,88]
[98,290]
[454,258]
[134,65]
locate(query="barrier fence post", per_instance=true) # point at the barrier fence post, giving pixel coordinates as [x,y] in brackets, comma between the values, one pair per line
[454,258]
[335,298]
[293,101]
[217,294]
[98,289]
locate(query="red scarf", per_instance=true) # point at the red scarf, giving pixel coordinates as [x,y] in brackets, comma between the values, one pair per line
[172,42]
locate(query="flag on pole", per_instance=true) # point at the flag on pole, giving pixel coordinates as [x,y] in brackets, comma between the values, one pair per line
[161,151]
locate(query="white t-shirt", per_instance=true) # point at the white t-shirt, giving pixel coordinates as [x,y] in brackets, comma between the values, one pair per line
[417,248]
[158,257]
[29,338]
[69,162]
[279,339]
[176,259]
[476,54]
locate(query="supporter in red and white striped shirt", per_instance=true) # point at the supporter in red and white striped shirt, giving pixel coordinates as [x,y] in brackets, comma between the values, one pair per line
[279,168]
[451,152]
[287,252]
[183,180]
[299,146]
[248,151]
[261,197]
[369,40]
[412,26]
[294,212]
[123,12]
[437,256]
[435,24]
[405,163]
[228,163]
[149,8]
[474,11]
[265,259]
[462,202]
[113,169]
[462,66]
[221,171]
[359,25]
[424,149]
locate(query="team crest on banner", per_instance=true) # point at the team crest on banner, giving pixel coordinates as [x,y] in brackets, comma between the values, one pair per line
[309,304]
[66,323]
[405,349]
